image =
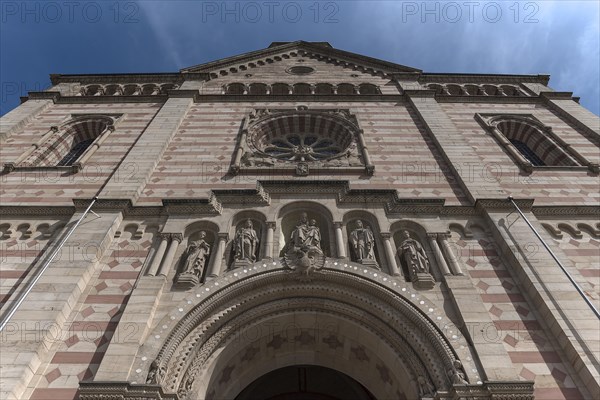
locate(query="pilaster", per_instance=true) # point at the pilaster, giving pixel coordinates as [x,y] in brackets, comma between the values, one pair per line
[31,332]
[134,172]
[565,313]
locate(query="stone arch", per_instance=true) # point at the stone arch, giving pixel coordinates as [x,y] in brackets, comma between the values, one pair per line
[113,90]
[368,88]
[323,88]
[235,88]
[5,231]
[455,90]
[463,231]
[396,340]
[572,231]
[301,88]
[595,233]
[282,89]
[258,89]
[530,139]
[289,215]
[439,89]
[346,89]
[259,221]
[69,142]
[472,90]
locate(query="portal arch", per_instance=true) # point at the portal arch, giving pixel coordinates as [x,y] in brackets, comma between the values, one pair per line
[248,309]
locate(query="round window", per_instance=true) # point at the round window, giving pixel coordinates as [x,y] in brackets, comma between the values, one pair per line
[302,147]
[301,136]
[300,70]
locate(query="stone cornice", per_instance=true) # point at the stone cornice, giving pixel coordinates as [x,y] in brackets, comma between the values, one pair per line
[482,78]
[400,208]
[126,78]
[209,206]
[101,390]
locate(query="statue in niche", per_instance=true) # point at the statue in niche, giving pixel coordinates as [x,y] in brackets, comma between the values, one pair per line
[195,257]
[363,242]
[246,243]
[306,234]
[412,253]
[303,252]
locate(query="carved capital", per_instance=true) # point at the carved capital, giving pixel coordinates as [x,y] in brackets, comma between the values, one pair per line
[177,236]
[271,224]
[385,235]
[432,236]
[224,236]
[164,236]
[338,225]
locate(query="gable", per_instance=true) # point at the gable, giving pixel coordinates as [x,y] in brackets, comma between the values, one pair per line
[293,69]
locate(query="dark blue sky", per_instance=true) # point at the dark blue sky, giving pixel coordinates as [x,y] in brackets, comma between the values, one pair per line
[557,38]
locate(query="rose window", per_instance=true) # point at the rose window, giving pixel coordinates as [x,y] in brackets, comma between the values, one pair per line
[301,136]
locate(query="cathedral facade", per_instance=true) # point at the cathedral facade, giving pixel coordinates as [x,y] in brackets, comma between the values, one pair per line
[300,222]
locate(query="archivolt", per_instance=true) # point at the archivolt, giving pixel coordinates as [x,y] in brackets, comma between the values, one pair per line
[210,324]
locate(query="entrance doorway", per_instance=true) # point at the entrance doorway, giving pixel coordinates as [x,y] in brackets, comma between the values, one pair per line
[305,382]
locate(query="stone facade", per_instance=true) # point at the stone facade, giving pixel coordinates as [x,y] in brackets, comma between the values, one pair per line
[181,235]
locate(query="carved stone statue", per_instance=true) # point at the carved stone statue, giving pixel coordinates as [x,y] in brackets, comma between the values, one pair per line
[306,234]
[303,252]
[155,374]
[456,375]
[363,244]
[195,258]
[425,387]
[413,254]
[246,243]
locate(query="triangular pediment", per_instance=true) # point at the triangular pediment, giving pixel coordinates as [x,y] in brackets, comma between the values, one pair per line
[281,51]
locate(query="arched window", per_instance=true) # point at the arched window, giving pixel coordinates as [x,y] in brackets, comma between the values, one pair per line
[345,88]
[529,142]
[367,88]
[301,88]
[258,89]
[527,153]
[76,151]
[281,89]
[236,88]
[324,88]
[68,145]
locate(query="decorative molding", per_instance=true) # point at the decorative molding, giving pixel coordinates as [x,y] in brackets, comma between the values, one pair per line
[104,390]
[257,197]
[483,78]
[483,205]
[547,211]
[192,333]
[210,206]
